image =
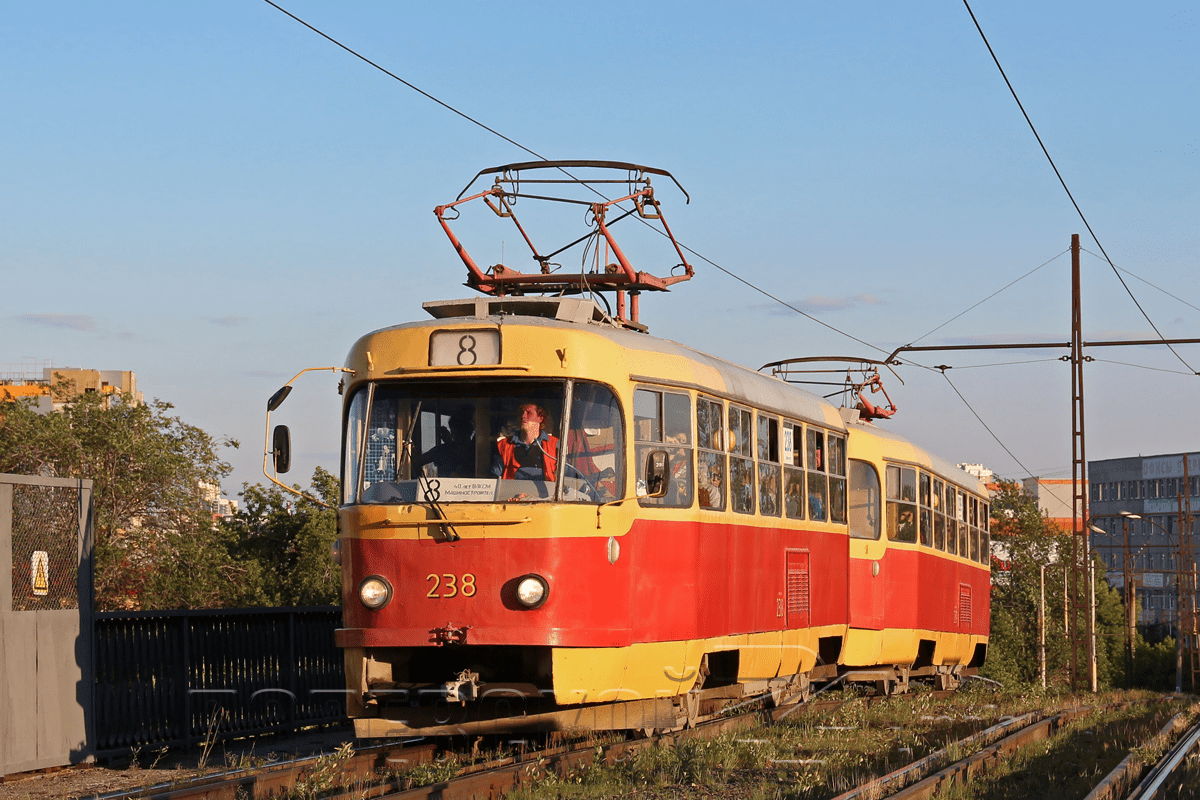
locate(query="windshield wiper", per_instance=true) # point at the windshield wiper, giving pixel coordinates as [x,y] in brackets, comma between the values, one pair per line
[430,490]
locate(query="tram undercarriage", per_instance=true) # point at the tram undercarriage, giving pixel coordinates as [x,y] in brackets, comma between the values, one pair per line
[511,690]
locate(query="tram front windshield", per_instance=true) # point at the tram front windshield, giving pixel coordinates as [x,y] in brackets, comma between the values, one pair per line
[482,441]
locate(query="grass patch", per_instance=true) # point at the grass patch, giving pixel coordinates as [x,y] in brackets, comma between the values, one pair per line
[1071,763]
[809,755]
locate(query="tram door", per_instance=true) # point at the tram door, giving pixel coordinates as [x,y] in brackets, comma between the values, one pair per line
[866,580]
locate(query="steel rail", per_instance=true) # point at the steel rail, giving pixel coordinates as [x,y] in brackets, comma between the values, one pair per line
[1152,785]
[922,768]
[967,768]
[489,778]
[1122,776]
[275,779]
[972,765]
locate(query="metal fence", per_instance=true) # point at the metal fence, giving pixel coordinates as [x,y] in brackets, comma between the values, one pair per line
[174,678]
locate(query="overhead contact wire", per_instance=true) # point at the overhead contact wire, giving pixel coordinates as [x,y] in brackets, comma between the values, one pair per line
[415,88]
[1148,283]
[989,297]
[985,425]
[541,157]
[1066,189]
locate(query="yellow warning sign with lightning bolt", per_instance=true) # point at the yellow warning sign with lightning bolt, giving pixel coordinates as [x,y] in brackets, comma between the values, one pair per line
[39,573]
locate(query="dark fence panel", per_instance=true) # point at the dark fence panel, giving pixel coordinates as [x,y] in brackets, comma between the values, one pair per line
[178,677]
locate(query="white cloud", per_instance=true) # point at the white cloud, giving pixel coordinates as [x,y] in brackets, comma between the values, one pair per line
[75,322]
[817,303]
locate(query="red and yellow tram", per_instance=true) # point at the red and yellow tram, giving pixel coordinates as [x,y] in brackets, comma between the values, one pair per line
[676,524]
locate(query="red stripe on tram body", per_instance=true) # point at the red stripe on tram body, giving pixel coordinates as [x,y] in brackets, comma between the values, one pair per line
[674,580]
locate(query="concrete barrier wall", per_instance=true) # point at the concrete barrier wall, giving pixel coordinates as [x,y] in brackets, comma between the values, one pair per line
[46,623]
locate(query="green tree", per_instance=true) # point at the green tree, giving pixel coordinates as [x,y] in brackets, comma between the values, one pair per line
[1154,664]
[1028,542]
[147,468]
[289,539]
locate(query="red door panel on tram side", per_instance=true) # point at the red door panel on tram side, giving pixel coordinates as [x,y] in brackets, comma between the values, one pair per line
[866,593]
[904,577]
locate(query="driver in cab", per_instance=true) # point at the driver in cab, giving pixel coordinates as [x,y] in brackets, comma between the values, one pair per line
[530,453]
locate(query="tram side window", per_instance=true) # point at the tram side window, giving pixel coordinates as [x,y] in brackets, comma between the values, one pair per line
[985,537]
[837,478]
[863,500]
[926,510]
[356,424]
[663,421]
[973,505]
[741,461]
[818,485]
[939,517]
[902,503]
[951,520]
[768,466]
[710,443]
[594,445]
[964,533]
[793,470]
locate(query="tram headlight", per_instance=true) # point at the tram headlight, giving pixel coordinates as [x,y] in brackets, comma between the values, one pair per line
[335,551]
[374,592]
[532,591]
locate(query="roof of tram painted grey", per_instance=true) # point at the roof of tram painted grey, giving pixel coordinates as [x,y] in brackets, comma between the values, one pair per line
[943,468]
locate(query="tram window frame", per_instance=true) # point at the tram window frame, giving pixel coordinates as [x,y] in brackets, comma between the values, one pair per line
[836,467]
[352,451]
[925,508]
[423,410]
[973,503]
[663,421]
[951,519]
[769,466]
[818,480]
[939,514]
[795,503]
[901,503]
[964,531]
[985,533]
[584,444]
[742,487]
[710,452]
[864,498]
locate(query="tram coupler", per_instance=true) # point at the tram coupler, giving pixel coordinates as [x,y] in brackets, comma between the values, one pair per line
[464,688]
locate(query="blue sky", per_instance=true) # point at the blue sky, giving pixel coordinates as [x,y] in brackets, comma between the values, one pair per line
[215,197]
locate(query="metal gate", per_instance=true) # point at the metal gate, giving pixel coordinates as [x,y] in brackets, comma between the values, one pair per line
[45,622]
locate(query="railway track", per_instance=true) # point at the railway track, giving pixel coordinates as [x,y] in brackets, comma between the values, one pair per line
[961,760]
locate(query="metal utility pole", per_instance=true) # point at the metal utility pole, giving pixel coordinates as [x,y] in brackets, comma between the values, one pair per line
[1183,627]
[1042,629]
[1189,640]
[1179,591]
[1130,598]
[1079,484]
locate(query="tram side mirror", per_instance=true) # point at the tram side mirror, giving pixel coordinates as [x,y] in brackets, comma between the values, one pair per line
[657,463]
[281,448]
